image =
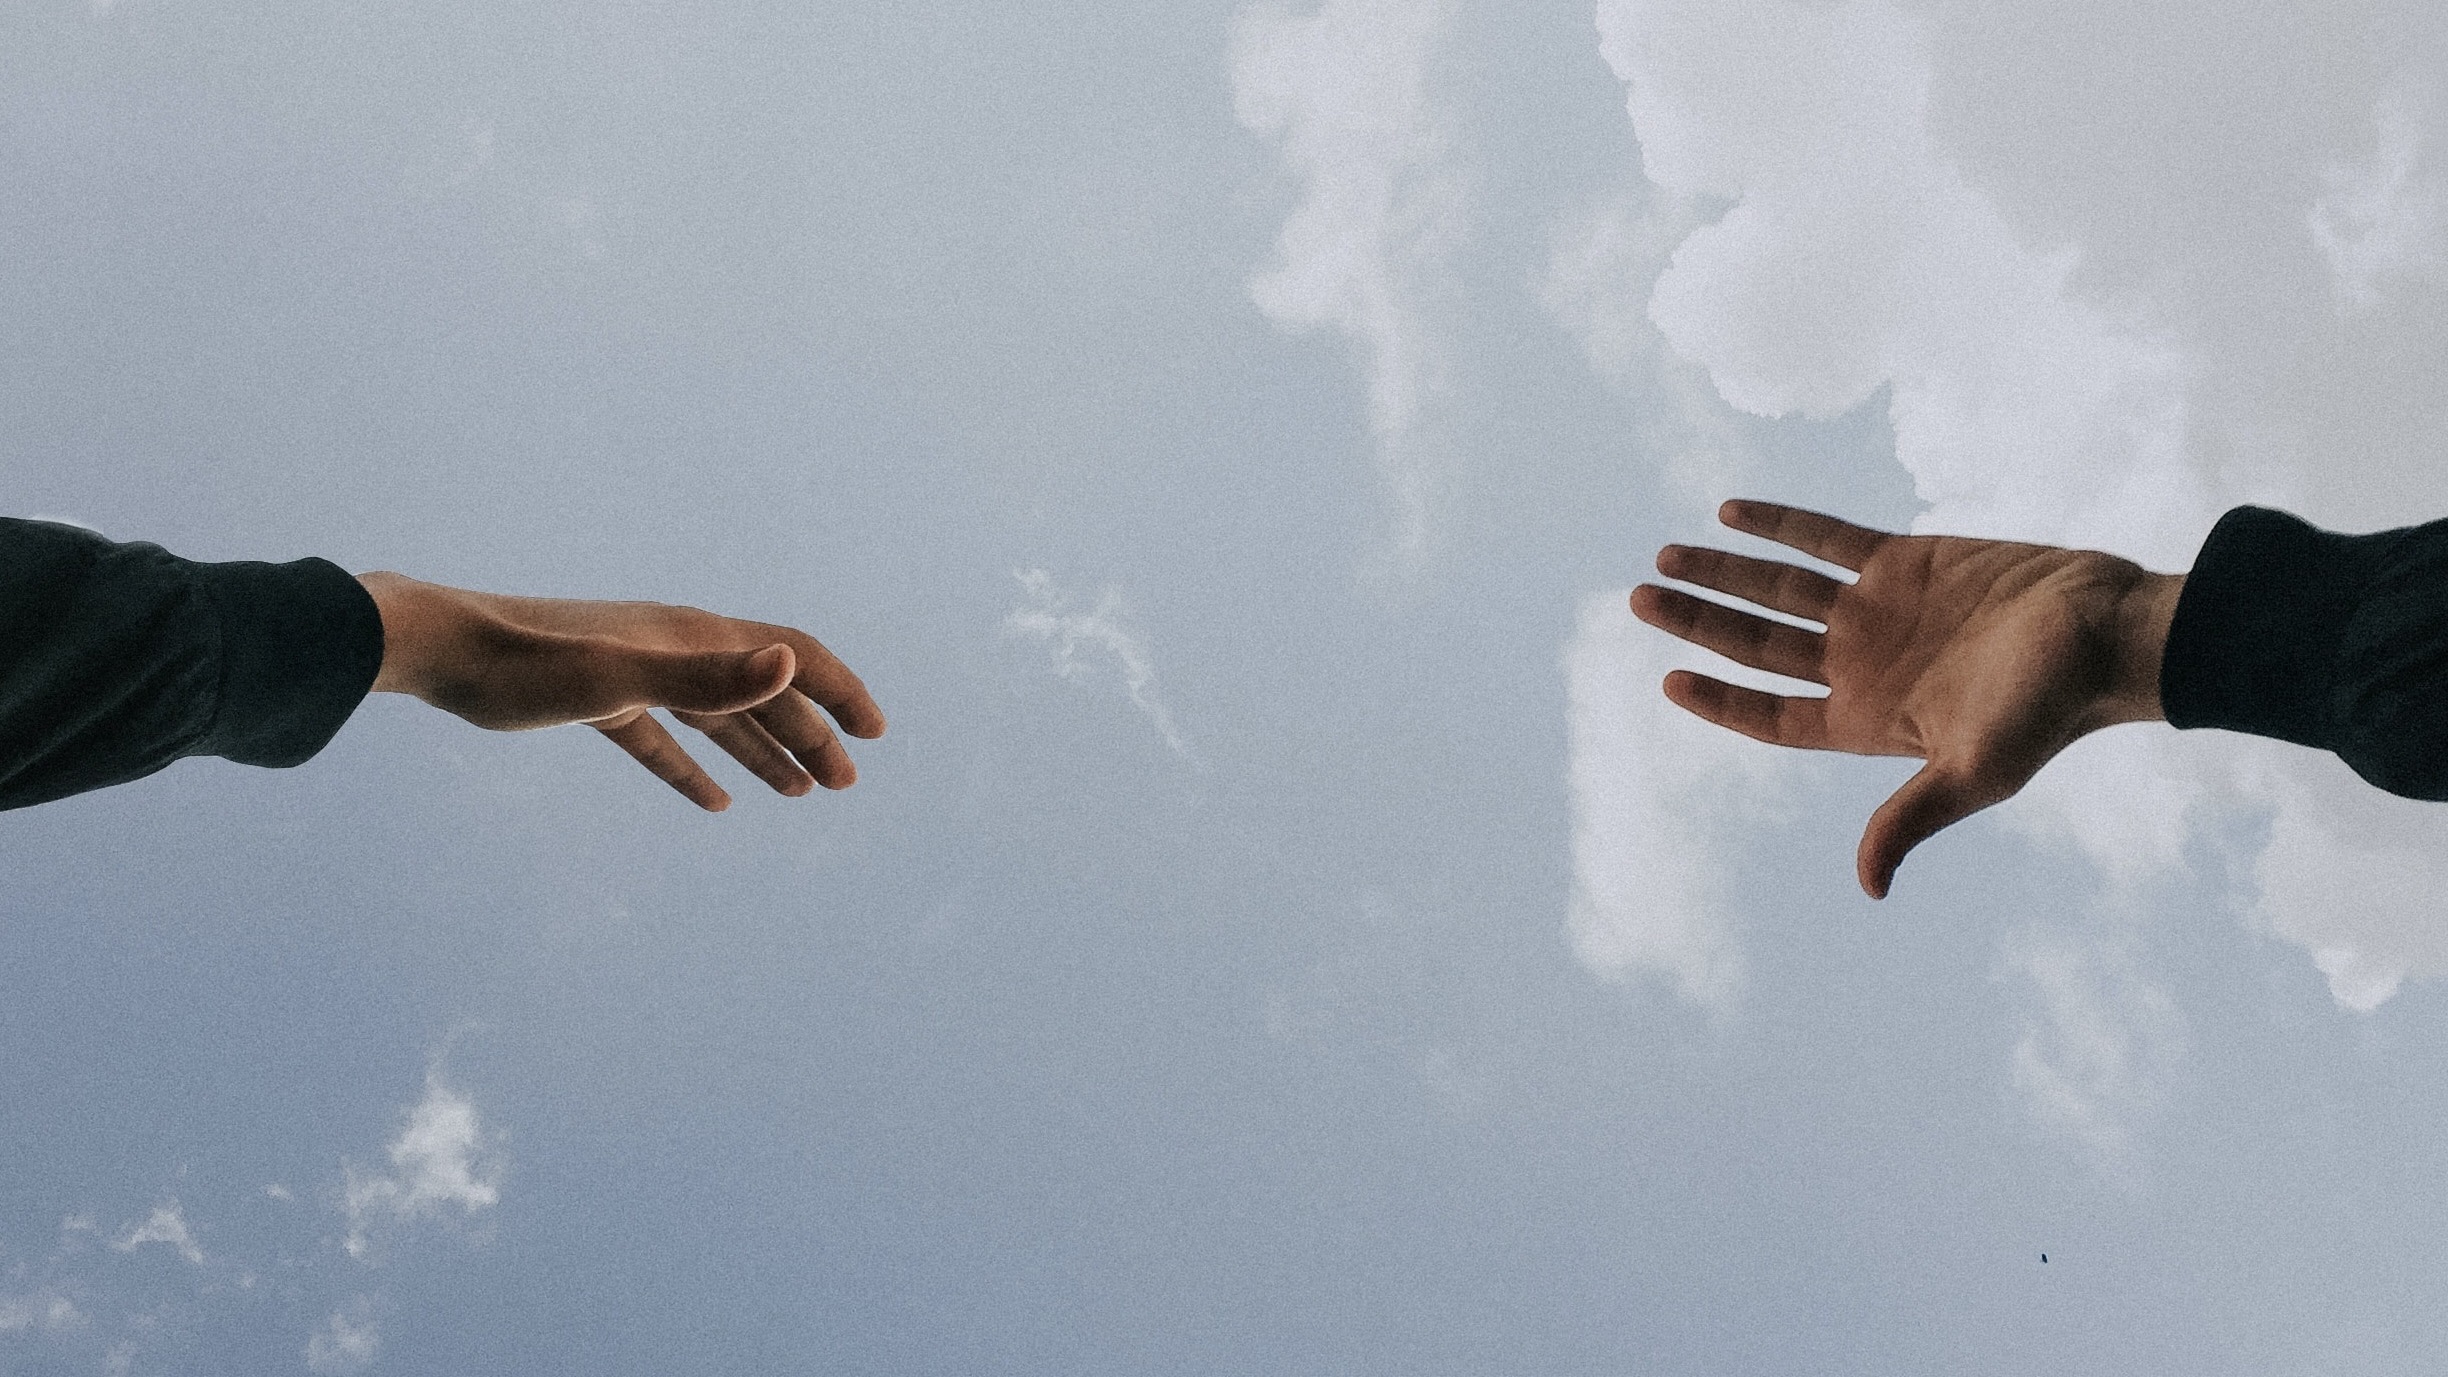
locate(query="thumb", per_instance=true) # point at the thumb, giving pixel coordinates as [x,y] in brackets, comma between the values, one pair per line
[1933,799]
[716,680]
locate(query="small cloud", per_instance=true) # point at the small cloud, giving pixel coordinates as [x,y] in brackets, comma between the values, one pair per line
[2380,220]
[442,1161]
[1084,643]
[347,1342]
[167,1225]
[42,1313]
[277,1191]
[2095,1056]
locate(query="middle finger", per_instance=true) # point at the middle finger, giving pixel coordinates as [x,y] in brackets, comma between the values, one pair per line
[1786,588]
[751,745]
[1739,636]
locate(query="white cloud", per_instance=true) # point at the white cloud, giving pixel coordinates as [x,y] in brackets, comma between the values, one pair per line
[1855,256]
[167,1225]
[1601,268]
[2379,223]
[1084,643]
[45,1312]
[2073,245]
[1342,93]
[442,1161]
[1659,802]
[2096,1054]
[347,1342]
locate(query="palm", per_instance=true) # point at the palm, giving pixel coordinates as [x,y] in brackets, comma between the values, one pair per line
[1983,658]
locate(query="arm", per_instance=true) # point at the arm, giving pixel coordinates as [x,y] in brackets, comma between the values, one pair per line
[116,659]
[1984,658]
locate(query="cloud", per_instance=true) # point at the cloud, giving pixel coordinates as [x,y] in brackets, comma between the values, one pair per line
[2097,258]
[1660,800]
[45,1312]
[1342,94]
[2379,220]
[1083,643]
[347,1342]
[167,1225]
[2096,1054]
[1601,268]
[442,1161]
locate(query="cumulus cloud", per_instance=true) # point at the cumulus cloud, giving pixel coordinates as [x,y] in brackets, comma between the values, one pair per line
[347,1342]
[1085,644]
[1660,800]
[1601,267]
[441,1162]
[2097,257]
[2097,1051]
[1342,94]
[167,1225]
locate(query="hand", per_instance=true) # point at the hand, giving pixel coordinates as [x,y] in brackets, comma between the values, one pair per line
[511,664]
[1983,658]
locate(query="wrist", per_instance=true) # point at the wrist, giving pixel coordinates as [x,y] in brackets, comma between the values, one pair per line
[2144,613]
[415,619]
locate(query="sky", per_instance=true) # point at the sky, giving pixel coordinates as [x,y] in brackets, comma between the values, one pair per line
[1284,931]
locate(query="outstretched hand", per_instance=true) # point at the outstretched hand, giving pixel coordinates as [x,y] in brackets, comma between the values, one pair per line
[1982,658]
[512,663]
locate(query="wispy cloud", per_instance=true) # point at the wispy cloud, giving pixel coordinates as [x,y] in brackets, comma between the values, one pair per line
[2098,1049]
[2382,218]
[44,1312]
[1342,93]
[441,1162]
[167,1225]
[1086,644]
[347,1342]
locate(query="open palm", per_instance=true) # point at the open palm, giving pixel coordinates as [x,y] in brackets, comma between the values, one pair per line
[1983,658]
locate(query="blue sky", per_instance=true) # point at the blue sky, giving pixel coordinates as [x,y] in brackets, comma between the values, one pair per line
[1282,933]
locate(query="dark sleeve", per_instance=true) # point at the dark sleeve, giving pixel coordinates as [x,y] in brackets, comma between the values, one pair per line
[117,659]
[2326,640]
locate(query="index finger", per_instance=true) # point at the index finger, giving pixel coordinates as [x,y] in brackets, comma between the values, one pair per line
[822,676]
[1814,534]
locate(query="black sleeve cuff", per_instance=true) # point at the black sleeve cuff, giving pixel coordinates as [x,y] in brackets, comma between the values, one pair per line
[2258,630]
[300,646]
